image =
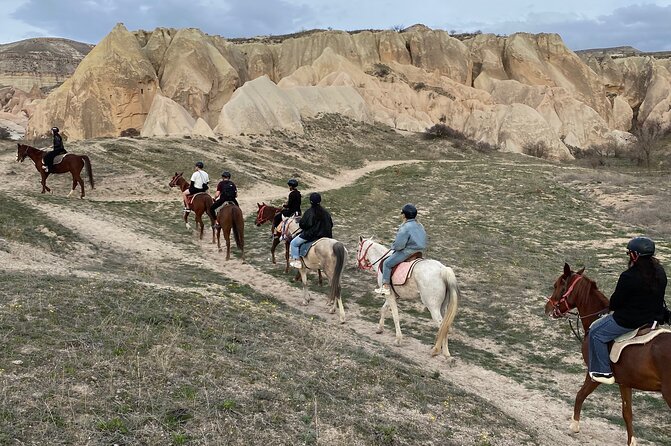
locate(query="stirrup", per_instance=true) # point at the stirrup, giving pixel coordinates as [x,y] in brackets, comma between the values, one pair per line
[296,264]
[603,378]
[187,210]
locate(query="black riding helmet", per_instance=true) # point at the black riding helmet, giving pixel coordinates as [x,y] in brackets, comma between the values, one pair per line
[409,210]
[315,198]
[642,246]
[226,174]
[55,129]
[292,182]
[200,164]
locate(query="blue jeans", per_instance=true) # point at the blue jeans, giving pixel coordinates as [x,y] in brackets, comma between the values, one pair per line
[390,262]
[296,243]
[601,333]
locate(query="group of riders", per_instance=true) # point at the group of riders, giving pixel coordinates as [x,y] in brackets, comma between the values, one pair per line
[638,298]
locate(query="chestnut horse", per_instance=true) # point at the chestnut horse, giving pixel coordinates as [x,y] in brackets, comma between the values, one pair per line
[230,217]
[71,163]
[432,282]
[200,205]
[266,213]
[642,367]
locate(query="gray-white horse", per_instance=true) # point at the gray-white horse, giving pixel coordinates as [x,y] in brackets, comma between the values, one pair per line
[434,283]
[327,255]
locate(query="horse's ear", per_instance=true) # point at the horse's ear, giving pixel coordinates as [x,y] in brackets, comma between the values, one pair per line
[567,269]
[360,238]
[181,173]
[582,270]
[257,203]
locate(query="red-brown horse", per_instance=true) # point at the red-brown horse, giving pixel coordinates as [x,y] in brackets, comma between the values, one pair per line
[230,217]
[71,163]
[266,213]
[200,205]
[643,367]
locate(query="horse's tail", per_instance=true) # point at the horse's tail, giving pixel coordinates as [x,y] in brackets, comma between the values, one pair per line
[89,170]
[238,224]
[452,295]
[340,254]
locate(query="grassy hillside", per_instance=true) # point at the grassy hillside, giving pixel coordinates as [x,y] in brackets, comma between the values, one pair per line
[119,327]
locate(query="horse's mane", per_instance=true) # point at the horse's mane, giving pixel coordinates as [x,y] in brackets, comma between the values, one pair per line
[589,286]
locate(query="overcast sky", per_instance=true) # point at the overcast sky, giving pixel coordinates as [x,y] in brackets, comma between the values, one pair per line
[581,23]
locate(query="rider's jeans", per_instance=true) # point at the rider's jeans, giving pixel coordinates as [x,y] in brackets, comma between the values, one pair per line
[600,334]
[296,243]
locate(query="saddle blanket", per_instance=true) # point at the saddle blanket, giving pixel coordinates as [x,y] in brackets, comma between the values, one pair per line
[191,197]
[401,272]
[304,249]
[58,158]
[628,339]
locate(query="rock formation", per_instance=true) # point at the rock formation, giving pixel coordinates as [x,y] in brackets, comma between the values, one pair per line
[509,91]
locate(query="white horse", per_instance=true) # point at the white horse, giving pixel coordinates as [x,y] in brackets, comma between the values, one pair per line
[430,280]
[327,255]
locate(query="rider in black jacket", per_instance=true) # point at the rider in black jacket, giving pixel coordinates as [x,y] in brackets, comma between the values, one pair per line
[316,223]
[48,159]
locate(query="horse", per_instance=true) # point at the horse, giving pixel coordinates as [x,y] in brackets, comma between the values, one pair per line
[290,229]
[200,204]
[230,217]
[266,213]
[71,163]
[641,367]
[434,283]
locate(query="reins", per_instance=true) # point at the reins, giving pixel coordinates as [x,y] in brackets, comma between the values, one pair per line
[360,260]
[569,314]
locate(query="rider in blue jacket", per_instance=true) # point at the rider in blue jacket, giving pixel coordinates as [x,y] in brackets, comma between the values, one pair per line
[410,239]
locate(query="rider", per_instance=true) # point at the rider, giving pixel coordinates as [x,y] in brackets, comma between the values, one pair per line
[199,181]
[48,160]
[410,239]
[638,300]
[315,223]
[293,204]
[226,191]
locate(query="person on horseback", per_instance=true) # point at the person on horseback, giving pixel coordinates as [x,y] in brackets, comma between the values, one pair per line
[315,223]
[199,181]
[292,206]
[48,160]
[638,300]
[226,191]
[410,239]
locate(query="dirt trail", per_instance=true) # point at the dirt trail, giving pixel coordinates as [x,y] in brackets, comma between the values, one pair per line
[548,418]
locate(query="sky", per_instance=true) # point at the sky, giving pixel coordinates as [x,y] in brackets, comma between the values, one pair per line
[583,24]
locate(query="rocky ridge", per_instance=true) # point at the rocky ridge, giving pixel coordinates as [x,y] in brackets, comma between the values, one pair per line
[507,91]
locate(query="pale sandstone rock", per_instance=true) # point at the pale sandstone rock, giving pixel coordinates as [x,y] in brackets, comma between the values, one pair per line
[111,90]
[167,118]
[202,129]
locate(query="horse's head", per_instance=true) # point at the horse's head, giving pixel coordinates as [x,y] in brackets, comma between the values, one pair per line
[363,260]
[22,152]
[264,214]
[563,298]
[175,179]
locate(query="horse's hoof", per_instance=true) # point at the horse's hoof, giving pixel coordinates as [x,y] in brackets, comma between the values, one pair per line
[575,426]
[379,330]
[332,311]
[342,321]
[435,352]
[305,303]
[397,342]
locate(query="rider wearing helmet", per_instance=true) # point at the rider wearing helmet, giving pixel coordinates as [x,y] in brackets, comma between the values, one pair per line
[47,161]
[199,181]
[410,239]
[293,204]
[638,300]
[226,191]
[315,223]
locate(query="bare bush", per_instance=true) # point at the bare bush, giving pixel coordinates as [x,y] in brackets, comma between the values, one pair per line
[419,86]
[538,149]
[4,133]
[380,70]
[442,130]
[485,147]
[130,133]
[649,143]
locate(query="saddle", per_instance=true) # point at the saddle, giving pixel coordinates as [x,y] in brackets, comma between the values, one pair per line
[401,272]
[192,197]
[57,159]
[641,335]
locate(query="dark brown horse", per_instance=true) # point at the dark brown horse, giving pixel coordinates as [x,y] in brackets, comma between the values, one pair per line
[643,367]
[230,217]
[200,205]
[71,163]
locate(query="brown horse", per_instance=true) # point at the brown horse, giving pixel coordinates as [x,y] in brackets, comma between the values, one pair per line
[230,217]
[71,163]
[643,367]
[200,205]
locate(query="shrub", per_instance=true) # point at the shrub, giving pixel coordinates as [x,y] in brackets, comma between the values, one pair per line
[130,133]
[485,147]
[4,133]
[381,70]
[419,86]
[538,149]
[442,130]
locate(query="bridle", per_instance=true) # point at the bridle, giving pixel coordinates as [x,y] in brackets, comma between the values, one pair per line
[572,316]
[174,181]
[260,217]
[362,261]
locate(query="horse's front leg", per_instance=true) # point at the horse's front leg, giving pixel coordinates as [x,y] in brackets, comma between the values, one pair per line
[227,236]
[186,220]
[44,182]
[276,241]
[587,387]
[219,239]
[304,279]
[383,315]
[391,298]
[200,225]
[286,257]
[625,393]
